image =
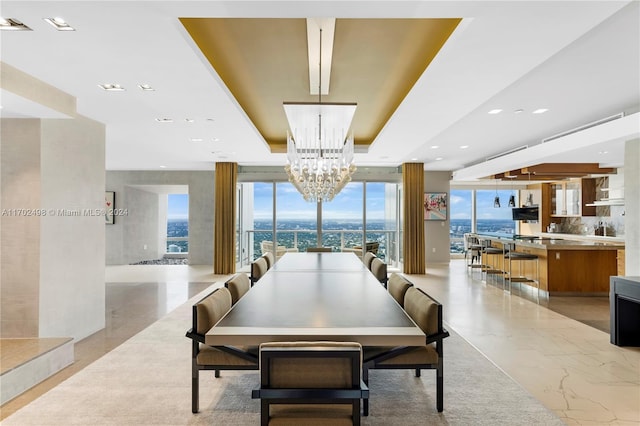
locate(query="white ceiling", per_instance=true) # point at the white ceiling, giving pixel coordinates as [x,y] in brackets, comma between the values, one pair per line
[579,59]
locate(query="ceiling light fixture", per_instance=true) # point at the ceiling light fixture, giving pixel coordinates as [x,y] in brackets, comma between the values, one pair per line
[512,197]
[59,24]
[439,159]
[434,147]
[11,24]
[496,199]
[189,120]
[146,87]
[518,111]
[164,120]
[319,144]
[540,110]
[464,146]
[110,87]
[495,111]
[196,139]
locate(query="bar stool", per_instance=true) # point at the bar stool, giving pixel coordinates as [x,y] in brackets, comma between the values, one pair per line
[474,248]
[513,256]
[488,251]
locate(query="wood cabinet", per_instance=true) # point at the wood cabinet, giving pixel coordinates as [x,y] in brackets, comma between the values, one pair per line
[621,262]
[570,198]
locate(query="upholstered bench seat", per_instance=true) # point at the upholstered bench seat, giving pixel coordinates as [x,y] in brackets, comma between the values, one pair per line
[310,414]
[212,356]
[418,355]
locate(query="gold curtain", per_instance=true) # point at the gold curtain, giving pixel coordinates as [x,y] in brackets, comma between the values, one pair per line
[224,227]
[413,242]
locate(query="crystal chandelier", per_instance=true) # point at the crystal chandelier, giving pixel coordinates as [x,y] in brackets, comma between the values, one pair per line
[319,146]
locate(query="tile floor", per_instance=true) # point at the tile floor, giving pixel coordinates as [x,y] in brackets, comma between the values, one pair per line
[567,365]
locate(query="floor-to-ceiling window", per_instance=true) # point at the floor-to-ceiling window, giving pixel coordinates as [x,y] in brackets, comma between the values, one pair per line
[177,223]
[461,207]
[492,216]
[268,207]
[259,207]
[480,210]
[342,218]
[295,218]
[382,214]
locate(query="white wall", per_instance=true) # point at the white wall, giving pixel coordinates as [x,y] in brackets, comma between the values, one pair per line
[53,263]
[140,225]
[72,291]
[20,242]
[436,232]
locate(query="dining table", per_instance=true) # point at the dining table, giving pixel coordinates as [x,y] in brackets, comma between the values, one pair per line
[317,297]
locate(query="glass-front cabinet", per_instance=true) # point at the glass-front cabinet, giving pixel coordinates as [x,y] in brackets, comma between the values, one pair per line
[566,198]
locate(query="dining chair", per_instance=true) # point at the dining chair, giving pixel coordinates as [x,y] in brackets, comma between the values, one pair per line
[270,258]
[310,383]
[206,313]
[319,249]
[238,286]
[426,312]
[398,286]
[258,269]
[379,269]
[368,258]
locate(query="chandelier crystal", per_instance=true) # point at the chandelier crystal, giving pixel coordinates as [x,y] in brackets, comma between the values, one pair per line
[319,149]
[319,145]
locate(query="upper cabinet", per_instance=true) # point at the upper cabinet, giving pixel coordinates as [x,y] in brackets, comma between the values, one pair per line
[571,198]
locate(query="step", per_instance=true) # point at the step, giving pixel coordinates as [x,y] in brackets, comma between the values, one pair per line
[25,362]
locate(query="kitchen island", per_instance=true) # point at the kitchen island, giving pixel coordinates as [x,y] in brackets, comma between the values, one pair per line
[566,267]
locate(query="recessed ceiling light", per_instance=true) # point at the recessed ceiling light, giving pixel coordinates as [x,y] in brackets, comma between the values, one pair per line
[439,158]
[164,120]
[495,111]
[11,24]
[414,159]
[211,119]
[189,120]
[464,146]
[146,87]
[518,111]
[603,152]
[434,147]
[216,139]
[111,87]
[163,167]
[540,110]
[59,24]
[196,139]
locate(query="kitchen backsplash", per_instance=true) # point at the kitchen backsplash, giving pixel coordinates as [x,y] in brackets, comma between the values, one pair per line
[611,226]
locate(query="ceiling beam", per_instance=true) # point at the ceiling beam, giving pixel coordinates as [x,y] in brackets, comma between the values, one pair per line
[582,169]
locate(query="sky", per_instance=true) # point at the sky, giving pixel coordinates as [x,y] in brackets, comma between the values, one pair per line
[347,205]
[178,206]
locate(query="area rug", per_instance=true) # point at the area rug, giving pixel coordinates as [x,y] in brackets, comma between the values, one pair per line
[147,381]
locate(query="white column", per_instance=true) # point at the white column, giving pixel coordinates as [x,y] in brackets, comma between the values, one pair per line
[632,207]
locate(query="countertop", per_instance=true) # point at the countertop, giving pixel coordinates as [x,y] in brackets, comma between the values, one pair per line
[597,238]
[555,243]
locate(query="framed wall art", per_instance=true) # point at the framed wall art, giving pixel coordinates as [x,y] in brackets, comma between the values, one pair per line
[109,206]
[435,206]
